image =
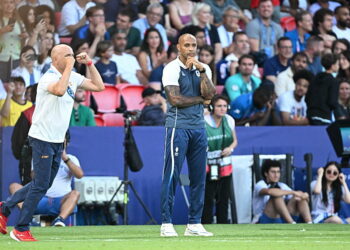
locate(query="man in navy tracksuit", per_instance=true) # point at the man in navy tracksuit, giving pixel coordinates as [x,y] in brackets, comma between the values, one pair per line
[188,85]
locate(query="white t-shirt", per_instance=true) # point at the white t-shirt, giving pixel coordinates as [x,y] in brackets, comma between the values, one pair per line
[233,58]
[287,103]
[172,71]
[342,33]
[3,92]
[259,201]
[284,82]
[71,14]
[127,67]
[52,113]
[225,36]
[24,73]
[62,184]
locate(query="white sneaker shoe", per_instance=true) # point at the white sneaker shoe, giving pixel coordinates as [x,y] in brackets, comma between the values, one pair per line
[168,230]
[197,230]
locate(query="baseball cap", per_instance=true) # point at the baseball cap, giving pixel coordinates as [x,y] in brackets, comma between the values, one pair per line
[149,91]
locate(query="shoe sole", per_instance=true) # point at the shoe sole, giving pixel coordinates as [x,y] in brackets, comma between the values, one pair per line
[13,236]
[164,235]
[195,234]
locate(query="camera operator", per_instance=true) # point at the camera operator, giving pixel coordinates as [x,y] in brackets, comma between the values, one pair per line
[222,140]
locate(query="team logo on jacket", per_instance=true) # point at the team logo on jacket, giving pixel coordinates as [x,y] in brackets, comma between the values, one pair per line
[197,73]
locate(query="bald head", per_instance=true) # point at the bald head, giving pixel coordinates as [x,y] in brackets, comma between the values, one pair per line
[59,54]
[187,46]
[185,37]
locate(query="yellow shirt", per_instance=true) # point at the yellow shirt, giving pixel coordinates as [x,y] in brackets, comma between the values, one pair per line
[15,112]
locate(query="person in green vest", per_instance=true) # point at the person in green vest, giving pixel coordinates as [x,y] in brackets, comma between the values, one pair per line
[81,115]
[222,140]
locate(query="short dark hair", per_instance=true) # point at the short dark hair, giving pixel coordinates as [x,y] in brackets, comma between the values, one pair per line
[126,12]
[336,10]
[299,54]
[17,79]
[237,34]
[343,41]
[90,11]
[300,16]
[303,74]
[283,38]
[320,15]
[191,29]
[328,60]
[267,165]
[171,49]
[27,48]
[246,56]
[263,1]
[103,46]
[312,40]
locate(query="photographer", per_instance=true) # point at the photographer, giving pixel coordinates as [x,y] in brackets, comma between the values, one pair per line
[27,68]
[328,191]
[222,140]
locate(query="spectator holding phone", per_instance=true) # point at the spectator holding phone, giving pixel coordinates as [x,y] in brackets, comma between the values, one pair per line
[12,34]
[27,68]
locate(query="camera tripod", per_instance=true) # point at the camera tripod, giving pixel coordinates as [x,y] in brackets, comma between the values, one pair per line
[126,183]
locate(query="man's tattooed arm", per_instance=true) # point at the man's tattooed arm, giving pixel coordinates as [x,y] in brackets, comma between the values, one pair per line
[180,101]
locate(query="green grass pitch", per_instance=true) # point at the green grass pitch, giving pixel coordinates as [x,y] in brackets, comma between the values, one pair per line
[300,236]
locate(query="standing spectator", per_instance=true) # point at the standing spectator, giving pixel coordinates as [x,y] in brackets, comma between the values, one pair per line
[323,27]
[300,35]
[180,13]
[228,28]
[82,116]
[128,66]
[12,36]
[328,191]
[292,104]
[36,3]
[263,33]
[27,67]
[201,18]
[322,97]
[50,20]
[152,52]
[243,82]
[218,9]
[153,113]
[124,22]
[285,80]
[344,65]
[274,200]
[222,140]
[15,103]
[344,99]
[107,68]
[325,4]
[73,16]
[207,56]
[154,13]
[279,62]
[341,29]
[340,45]
[314,50]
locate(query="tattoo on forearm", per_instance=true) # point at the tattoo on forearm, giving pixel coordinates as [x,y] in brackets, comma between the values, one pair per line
[207,87]
[178,100]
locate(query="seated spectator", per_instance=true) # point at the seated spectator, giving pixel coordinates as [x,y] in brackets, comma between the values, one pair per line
[27,68]
[153,114]
[201,18]
[229,66]
[279,62]
[73,16]
[322,97]
[82,116]
[12,36]
[36,3]
[112,8]
[152,19]
[152,52]
[344,65]
[292,104]
[15,103]
[180,13]
[254,108]
[60,200]
[344,99]
[107,68]
[323,27]
[319,4]
[341,29]
[259,28]
[128,67]
[285,80]
[218,9]
[314,50]
[123,22]
[243,82]
[228,28]
[93,32]
[340,45]
[275,201]
[44,58]
[328,190]
[300,35]
[206,55]
[276,15]
[50,21]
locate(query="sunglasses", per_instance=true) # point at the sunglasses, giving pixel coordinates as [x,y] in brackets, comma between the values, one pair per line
[335,173]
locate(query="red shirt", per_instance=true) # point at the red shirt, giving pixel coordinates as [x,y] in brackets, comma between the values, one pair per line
[255,3]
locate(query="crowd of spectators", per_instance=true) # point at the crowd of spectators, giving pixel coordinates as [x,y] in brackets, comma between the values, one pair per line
[245,43]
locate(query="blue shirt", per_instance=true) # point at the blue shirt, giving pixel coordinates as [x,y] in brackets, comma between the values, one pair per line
[273,66]
[315,67]
[108,72]
[84,33]
[298,46]
[243,107]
